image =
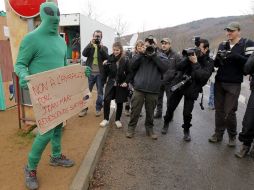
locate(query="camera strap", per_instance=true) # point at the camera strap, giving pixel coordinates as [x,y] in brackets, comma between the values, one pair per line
[201,101]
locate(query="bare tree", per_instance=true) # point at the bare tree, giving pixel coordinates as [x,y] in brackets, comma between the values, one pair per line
[120,26]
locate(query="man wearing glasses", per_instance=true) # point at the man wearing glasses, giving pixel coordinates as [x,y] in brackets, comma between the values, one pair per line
[230,60]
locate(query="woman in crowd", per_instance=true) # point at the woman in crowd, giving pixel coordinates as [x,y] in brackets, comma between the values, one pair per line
[116,76]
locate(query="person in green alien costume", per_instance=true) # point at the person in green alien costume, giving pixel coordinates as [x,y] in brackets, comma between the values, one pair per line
[41,50]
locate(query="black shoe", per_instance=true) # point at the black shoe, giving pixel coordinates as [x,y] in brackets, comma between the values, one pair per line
[186,136]
[164,129]
[157,115]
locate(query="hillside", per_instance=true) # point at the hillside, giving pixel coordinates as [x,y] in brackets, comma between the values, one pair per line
[209,28]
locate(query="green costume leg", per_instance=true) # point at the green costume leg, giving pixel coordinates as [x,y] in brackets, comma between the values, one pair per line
[40,144]
[56,142]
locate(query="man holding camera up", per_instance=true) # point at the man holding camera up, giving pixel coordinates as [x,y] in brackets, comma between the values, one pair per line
[195,70]
[230,60]
[96,53]
[246,136]
[148,69]
[174,59]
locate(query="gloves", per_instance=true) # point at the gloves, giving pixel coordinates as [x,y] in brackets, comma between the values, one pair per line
[88,71]
[23,81]
[235,56]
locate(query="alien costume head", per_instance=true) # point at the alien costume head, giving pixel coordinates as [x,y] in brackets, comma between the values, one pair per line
[50,17]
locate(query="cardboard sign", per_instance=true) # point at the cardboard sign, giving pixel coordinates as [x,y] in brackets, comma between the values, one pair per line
[57,95]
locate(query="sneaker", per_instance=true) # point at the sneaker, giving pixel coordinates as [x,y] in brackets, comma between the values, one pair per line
[118,124]
[186,136]
[31,179]
[61,161]
[232,142]
[243,151]
[252,152]
[82,113]
[127,113]
[215,139]
[104,123]
[98,113]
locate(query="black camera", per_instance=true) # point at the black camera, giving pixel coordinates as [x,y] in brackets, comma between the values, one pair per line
[196,41]
[191,51]
[186,78]
[150,50]
[97,40]
[223,53]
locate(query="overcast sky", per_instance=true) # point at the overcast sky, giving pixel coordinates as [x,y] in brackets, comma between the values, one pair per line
[141,15]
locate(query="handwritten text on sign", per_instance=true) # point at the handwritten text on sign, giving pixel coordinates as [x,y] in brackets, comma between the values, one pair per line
[57,95]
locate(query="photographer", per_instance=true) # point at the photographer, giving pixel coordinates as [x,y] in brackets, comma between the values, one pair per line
[247,134]
[195,69]
[96,53]
[174,59]
[148,69]
[230,61]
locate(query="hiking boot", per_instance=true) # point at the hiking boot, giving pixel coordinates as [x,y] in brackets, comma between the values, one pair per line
[243,151]
[232,142]
[98,113]
[104,123]
[164,129]
[61,161]
[127,113]
[31,179]
[158,115]
[251,152]
[118,124]
[83,113]
[186,136]
[150,133]
[215,138]
[129,134]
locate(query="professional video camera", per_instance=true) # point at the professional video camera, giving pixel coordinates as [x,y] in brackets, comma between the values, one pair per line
[193,50]
[179,85]
[97,40]
[225,50]
[150,50]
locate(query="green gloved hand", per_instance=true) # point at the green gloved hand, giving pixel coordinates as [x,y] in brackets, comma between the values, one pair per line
[23,81]
[88,71]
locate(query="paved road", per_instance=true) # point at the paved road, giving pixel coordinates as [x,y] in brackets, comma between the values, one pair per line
[170,163]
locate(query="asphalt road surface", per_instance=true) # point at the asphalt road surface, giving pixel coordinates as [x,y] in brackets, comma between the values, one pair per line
[170,163]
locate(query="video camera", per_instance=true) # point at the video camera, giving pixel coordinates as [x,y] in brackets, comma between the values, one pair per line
[150,50]
[193,50]
[186,78]
[225,50]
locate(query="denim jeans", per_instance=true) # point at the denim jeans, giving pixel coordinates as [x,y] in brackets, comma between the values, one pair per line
[211,96]
[96,79]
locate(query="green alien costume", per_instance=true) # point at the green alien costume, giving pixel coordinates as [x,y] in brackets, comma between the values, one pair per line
[41,50]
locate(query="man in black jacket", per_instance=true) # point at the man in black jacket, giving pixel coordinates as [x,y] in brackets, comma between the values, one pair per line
[198,69]
[230,60]
[247,134]
[174,59]
[96,53]
[148,69]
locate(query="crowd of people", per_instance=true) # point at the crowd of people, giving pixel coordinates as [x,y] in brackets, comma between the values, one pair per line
[140,79]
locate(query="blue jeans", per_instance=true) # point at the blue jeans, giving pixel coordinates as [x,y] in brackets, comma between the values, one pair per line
[96,79]
[211,96]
